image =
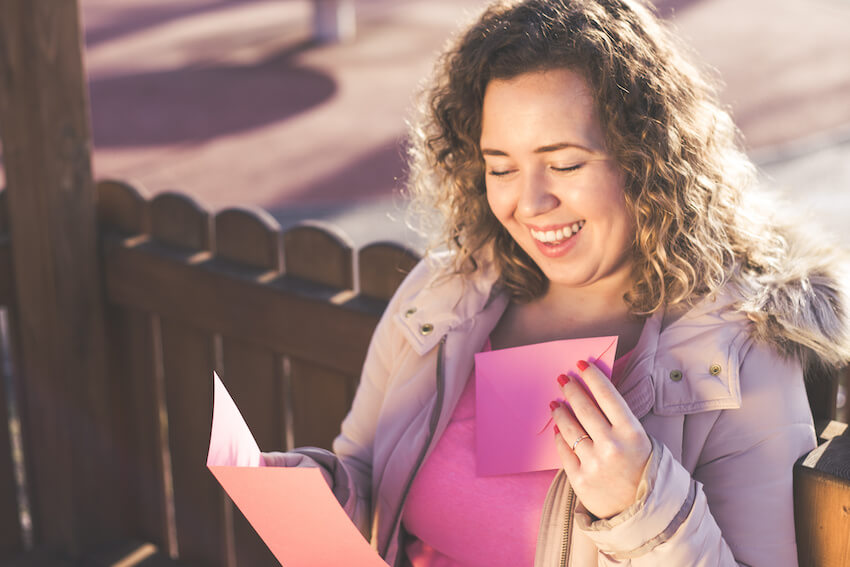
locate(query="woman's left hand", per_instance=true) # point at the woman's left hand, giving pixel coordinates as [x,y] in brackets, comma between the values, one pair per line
[602,445]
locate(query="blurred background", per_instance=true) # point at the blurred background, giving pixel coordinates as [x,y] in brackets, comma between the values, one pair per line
[232,102]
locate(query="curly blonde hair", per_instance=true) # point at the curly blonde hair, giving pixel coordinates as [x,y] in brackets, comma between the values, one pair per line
[685,173]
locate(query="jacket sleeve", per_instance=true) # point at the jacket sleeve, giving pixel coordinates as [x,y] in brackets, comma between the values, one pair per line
[737,506]
[348,469]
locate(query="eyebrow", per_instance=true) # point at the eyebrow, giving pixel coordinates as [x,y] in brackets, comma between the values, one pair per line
[540,150]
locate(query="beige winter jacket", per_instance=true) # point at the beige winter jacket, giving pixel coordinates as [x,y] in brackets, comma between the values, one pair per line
[719,390]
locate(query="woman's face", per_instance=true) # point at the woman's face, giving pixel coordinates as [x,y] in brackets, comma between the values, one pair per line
[550,181]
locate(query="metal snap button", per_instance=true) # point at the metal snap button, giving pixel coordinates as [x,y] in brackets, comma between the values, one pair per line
[426,329]
[675,375]
[409,312]
[714,370]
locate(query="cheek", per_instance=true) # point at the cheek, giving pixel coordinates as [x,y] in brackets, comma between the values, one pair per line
[625,223]
[495,204]
[501,205]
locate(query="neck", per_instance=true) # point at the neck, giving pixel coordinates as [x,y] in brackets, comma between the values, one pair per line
[599,302]
[568,312]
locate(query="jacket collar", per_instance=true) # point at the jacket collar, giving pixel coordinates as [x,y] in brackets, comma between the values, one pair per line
[682,364]
[446,301]
[688,364]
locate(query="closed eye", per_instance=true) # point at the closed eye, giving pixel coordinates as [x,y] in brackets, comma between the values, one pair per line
[568,168]
[496,173]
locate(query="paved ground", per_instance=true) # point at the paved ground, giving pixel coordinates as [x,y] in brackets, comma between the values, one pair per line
[815,177]
[228,101]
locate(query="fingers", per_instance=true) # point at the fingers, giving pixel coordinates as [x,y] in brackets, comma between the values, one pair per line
[606,396]
[583,407]
[569,459]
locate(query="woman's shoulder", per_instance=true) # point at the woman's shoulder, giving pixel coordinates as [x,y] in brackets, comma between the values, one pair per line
[800,306]
[436,283]
[790,320]
[435,297]
[797,306]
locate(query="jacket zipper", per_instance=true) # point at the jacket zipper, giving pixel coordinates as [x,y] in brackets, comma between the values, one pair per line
[566,538]
[432,428]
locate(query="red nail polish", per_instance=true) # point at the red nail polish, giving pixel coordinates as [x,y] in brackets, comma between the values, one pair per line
[582,365]
[557,431]
[553,405]
[562,379]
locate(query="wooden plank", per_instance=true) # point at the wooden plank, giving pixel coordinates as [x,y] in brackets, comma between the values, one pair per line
[122,207]
[253,377]
[383,266]
[132,366]
[38,558]
[320,400]
[10,528]
[188,360]
[822,503]
[240,302]
[11,537]
[44,126]
[320,254]
[822,393]
[7,282]
[250,237]
[6,276]
[179,220]
[4,212]
[252,374]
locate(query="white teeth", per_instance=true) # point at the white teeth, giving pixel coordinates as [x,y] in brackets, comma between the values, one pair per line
[554,236]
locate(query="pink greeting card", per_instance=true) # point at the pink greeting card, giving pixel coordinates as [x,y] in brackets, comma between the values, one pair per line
[292,509]
[513,389]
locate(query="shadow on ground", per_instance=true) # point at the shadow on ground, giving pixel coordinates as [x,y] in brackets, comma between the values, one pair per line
[151,109]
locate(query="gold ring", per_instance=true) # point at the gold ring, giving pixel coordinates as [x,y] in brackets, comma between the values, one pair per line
[579,440]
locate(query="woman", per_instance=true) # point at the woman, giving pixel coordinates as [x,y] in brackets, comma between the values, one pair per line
[590,186]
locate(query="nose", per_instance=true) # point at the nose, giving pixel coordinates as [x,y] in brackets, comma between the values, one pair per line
[536,195]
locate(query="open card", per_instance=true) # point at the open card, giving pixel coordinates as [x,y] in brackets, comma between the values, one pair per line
[292,509]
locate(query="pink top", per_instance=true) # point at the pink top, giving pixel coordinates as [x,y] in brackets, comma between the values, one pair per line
[456,518]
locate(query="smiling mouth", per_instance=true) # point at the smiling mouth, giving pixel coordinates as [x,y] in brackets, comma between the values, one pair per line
[556,237]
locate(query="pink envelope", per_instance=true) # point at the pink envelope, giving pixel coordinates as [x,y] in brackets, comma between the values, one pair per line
[514,386]
[292,509]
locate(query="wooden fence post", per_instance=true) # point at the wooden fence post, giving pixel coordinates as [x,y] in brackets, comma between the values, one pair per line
[65,391]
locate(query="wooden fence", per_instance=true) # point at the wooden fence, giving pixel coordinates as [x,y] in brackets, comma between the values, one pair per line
[285,318]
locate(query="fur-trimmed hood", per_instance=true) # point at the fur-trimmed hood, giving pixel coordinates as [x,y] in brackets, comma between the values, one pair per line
[801,306]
